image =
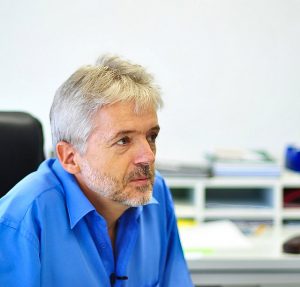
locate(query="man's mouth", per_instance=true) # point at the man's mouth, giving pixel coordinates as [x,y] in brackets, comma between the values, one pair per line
[143,178]
[141,181]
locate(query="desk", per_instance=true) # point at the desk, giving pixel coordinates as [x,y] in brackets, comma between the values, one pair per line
[263,264]
[245,272]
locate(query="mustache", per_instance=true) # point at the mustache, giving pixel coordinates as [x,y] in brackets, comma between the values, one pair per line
[143,170]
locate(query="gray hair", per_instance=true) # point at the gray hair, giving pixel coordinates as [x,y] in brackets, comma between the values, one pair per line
[109,81]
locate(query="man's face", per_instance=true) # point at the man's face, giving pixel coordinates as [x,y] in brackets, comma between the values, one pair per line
[119,160]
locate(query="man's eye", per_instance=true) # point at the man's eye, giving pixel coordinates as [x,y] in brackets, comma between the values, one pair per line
[123,141]
[152,138]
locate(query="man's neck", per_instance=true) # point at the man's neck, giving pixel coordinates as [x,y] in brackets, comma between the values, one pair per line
[109,209]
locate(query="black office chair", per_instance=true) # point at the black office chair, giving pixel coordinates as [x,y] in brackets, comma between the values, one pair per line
[21,147]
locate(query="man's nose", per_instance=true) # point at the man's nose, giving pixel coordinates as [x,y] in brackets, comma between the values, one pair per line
[144,153]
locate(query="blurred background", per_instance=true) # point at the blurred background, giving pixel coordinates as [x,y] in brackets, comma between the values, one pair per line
[228,70]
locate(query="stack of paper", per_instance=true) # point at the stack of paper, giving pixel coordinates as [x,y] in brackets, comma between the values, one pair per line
[210,237]
[240,162]
[172,169]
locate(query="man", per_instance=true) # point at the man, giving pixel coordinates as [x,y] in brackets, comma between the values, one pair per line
[98,215]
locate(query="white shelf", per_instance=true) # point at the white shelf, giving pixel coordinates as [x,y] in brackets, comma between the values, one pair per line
[240,182]
[291,213]
[265,193]
[290,179]
[239,213]
[185,210]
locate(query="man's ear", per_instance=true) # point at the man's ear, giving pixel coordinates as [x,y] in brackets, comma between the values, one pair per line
[67,156]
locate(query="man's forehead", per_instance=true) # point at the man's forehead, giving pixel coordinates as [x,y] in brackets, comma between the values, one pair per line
[117,118]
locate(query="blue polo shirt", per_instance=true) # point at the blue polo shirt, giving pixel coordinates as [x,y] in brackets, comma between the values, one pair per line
[51,235]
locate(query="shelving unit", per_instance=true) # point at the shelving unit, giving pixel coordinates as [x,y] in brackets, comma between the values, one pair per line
[235,198]
[251,203]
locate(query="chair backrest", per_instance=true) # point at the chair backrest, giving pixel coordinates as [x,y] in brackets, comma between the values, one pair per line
[21,147]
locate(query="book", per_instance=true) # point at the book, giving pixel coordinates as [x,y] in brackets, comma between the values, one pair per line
[242,162]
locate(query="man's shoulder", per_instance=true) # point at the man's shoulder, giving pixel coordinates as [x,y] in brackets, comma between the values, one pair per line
[37,186]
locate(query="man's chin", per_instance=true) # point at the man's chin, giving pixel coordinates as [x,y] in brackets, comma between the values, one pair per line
[138,200]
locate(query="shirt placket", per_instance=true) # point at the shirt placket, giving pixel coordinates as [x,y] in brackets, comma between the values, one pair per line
[102,241]
[125,242]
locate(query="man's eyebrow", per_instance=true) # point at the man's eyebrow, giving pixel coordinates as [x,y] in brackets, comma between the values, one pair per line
[127,132]
[156,128]
[121,133]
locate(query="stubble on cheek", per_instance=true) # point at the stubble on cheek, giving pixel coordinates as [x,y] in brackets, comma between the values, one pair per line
[121,190]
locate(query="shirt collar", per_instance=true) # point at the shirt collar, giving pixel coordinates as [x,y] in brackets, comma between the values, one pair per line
[77,203]
[139,209]
[153,200]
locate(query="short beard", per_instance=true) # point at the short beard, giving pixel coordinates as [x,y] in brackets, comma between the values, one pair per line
[114,189]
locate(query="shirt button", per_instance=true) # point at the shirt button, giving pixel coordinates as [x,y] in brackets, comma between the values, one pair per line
[102,245]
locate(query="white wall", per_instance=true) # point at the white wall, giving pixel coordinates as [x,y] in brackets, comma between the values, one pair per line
[229,69]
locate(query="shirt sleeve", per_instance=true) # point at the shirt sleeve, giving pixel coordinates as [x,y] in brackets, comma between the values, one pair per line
[176,272]
[19,257]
